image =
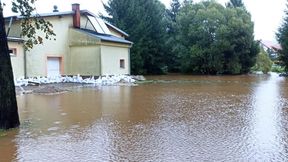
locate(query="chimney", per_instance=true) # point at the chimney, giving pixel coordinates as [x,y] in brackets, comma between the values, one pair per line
[55,8]
[76,16]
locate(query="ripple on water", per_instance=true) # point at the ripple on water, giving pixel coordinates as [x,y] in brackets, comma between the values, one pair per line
[57,122]
[53,128]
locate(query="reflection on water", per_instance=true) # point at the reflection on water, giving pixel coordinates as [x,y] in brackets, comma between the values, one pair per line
[179,118]
[267,130]
[115,101]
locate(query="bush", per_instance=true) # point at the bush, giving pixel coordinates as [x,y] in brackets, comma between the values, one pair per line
[277,69]
[263,63]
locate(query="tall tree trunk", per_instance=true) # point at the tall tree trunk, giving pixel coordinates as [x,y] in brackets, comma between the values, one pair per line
[9,117]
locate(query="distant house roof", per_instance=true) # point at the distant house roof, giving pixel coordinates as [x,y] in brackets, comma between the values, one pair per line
[271,45]
[105,37]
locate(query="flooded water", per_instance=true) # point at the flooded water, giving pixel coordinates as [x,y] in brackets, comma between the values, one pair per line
[174,118]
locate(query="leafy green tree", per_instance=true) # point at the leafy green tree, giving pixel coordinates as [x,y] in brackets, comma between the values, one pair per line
[282,37]
[240,34]
[244,36]
[215,39]
[172,58]
[175,8]
[144,20]
[197,31]
[187,2]
[9,117]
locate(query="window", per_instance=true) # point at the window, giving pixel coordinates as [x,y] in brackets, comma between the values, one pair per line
[12,51]
[122,63]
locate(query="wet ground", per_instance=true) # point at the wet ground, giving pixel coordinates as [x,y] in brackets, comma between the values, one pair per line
[172,118]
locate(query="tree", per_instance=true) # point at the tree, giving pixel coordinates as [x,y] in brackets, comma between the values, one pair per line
[215,39]
[282,38]
[144,21]
[187,2]
[9,117]
[240,34]
[8,105]
[172,58]
[175,8]
[235,3]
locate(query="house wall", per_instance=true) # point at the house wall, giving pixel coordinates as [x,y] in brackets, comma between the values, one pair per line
[79,38]
[110,60]
[84,57]
[85,60]
[37,56]
[15,28]
[116,33]
[17,60]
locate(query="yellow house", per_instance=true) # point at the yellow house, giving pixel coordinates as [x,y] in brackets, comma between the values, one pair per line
[17,56]
[84,45]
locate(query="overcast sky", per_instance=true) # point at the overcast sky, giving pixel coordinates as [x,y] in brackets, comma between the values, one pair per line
[266,14]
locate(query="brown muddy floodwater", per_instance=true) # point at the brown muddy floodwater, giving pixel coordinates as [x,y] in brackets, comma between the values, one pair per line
[177,118]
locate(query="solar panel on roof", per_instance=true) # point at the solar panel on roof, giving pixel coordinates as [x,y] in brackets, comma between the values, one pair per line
[99,25]
[103,26]
[95,24]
